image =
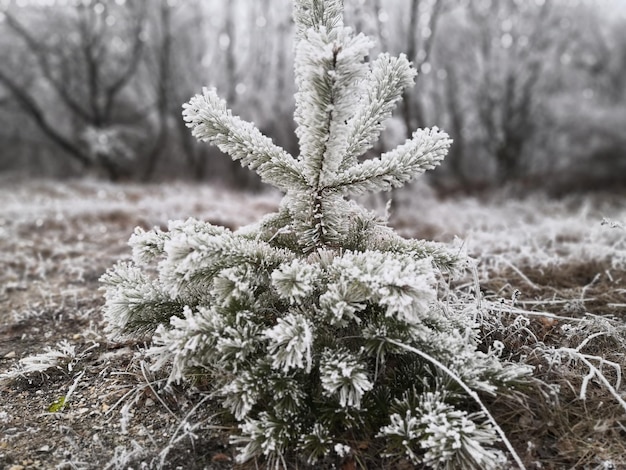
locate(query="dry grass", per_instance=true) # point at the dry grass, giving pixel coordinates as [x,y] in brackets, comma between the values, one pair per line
[57,239]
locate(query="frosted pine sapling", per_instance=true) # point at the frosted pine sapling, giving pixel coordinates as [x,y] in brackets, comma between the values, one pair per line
[297,321]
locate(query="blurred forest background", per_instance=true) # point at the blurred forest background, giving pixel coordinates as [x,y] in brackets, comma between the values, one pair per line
[532,91]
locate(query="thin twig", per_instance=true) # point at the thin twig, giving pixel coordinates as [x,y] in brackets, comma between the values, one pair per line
[71,390]
[496,307]
[519,273]
[584,289]
[585,358]
[470,392]
[143,372]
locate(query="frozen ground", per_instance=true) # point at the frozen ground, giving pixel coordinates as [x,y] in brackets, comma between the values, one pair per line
[533,258]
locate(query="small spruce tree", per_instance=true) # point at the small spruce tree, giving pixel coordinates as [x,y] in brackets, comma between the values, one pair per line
[319,327]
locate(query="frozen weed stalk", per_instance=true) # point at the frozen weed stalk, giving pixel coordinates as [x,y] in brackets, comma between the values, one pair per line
[305,323]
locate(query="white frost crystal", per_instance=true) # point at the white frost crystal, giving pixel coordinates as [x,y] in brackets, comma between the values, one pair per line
[291,343]
[344,376]
[297,280]
[436,434]
[404,286]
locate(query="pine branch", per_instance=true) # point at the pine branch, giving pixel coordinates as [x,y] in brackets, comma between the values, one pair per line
[441,256]
[317,14]
[472,394]
[212,122]
[393,169]
[349,75]
[276,229]
[330,71]
[316,63]
[386,81]
[193,260]
[145,318]
[321,219]
[134,303]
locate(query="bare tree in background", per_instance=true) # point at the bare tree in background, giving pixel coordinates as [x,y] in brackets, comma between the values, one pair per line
[163,87]
[589,143]
[233,85]
[86,54]
[424,18]
[211,43]
[187,70]
[520,85]
[517,42]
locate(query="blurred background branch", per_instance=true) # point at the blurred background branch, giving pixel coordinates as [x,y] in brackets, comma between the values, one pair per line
[533,92]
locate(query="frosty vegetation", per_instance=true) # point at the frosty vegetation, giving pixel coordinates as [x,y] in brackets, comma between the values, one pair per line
[319,326]
[553,296]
